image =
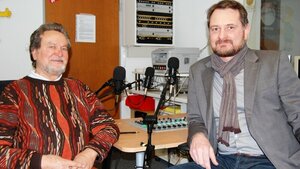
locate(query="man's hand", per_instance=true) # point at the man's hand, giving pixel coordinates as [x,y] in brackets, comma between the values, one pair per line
[202,152]
[86,157]
[57,162]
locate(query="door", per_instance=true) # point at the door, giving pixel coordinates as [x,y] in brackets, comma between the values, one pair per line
[92,63]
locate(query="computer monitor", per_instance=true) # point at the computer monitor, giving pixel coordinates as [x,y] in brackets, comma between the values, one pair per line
[297,65]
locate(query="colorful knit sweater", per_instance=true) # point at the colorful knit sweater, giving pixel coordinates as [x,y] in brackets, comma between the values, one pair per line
[51,117]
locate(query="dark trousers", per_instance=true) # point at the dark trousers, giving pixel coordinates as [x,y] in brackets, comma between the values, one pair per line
[233,162]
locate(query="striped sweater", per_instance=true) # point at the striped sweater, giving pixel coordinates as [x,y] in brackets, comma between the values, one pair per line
[51,117]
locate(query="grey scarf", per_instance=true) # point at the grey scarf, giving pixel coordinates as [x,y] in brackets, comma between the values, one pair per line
[228,110]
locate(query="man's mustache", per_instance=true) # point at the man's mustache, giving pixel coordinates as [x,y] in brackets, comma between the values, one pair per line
[223,41]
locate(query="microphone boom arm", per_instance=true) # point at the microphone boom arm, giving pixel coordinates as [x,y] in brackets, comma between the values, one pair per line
[108,83]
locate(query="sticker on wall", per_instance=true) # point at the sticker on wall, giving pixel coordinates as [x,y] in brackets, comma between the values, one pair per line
[5,13]
[52,1]
[250,3]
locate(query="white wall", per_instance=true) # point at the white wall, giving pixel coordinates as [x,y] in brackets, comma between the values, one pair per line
[15,32]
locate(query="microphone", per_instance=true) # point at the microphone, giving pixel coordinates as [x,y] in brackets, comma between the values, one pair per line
[118,81]
[173,65]
[149,74]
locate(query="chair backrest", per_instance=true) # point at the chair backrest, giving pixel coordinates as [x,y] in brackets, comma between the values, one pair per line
[3,83]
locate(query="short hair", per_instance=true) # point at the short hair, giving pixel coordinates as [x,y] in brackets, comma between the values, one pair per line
[225,4]
[35,38]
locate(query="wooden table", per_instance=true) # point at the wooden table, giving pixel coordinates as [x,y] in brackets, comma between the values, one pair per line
[132,143]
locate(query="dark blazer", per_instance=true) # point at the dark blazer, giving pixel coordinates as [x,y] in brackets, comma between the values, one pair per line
[272,105]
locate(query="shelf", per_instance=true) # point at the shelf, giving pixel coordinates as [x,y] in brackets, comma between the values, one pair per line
[180,100]
[141,71]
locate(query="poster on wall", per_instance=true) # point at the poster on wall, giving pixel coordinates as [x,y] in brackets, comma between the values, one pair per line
[85,28]
[270,24]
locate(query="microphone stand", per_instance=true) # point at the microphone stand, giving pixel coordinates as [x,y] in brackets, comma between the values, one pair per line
[150,120]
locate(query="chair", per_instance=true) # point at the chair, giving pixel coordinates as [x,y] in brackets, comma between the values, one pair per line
[3,83]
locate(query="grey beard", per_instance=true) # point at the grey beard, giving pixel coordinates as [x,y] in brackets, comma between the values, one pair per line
[57,72]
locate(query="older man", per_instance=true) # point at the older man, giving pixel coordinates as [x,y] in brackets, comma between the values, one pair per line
[47,121]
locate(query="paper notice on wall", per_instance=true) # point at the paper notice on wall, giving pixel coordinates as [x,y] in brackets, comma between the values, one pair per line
[85,28]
